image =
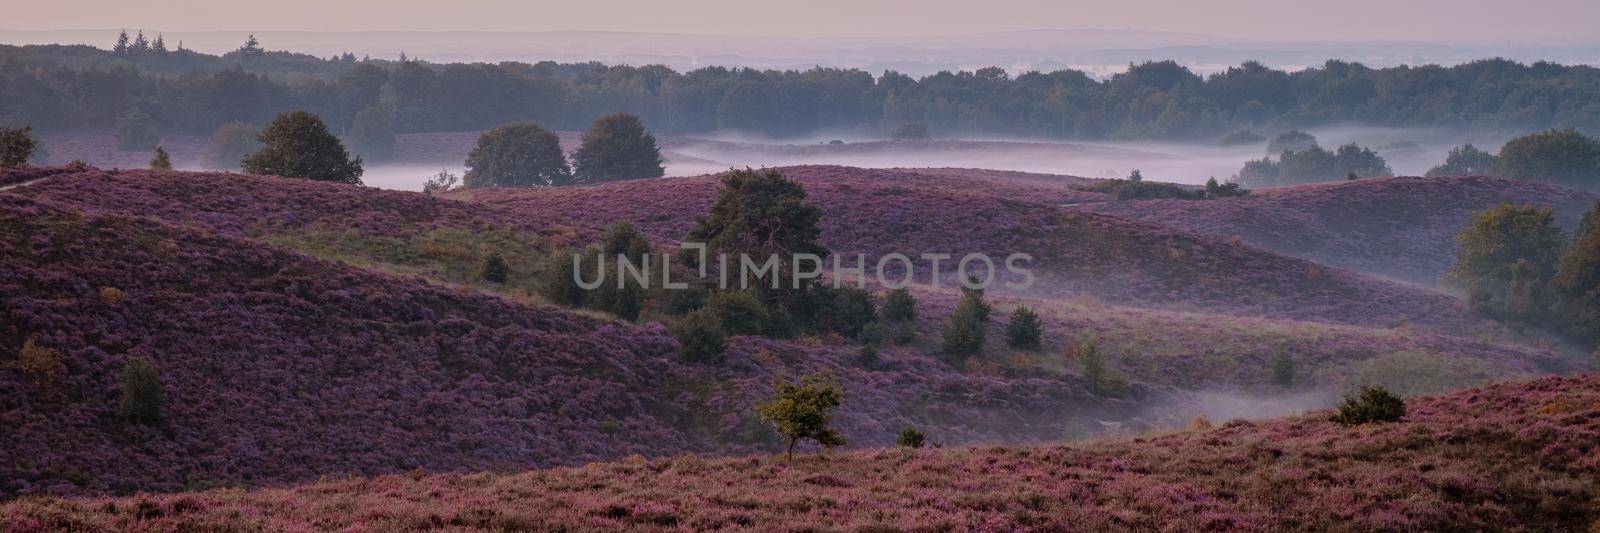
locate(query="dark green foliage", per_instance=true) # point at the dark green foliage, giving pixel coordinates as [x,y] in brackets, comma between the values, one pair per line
[963,335]
[1131,189]
[621,293]
[903,333]
[1215,190]
[1467,160]
[804,410]
[16,146]
[135,130]
[558,283]
[910,438]
[494,268]
[1024,330]
[1577,280]
[141,392]
[1291,141]
[700,337]
[1564,157]
[682,301]
[517,155]
[1241,137]
[372,133]
[1283,374]
[739,312]
[761,214]
[161,161]
[297,145]
[1504,258]
[617,147]
[868,355]
[1313,165]
[852,310]
[231,143]
[911,131]
[899,306]
[1369,405]
[1095,374]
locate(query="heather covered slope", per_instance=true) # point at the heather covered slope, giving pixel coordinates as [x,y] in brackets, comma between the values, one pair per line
[876,212]
[1520,455]
[1397,227]
[278,367]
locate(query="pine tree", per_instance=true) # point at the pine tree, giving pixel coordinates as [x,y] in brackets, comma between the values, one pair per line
[252,46]
[964,333]
[160,45]
[1024,330]
[161,161]
[140,44]
[121,48]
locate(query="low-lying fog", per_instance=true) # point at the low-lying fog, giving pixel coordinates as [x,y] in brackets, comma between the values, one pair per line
[1409,152]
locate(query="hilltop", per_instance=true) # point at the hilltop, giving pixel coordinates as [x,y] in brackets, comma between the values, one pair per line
[1519,453]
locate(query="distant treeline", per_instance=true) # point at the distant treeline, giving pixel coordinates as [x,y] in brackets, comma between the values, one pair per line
[60,87]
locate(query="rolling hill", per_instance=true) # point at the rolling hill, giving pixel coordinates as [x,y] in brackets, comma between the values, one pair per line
[1488,458]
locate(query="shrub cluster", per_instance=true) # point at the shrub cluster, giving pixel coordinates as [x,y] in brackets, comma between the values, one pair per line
[1369,405]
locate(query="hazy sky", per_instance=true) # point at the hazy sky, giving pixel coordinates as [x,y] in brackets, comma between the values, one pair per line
[1456,21]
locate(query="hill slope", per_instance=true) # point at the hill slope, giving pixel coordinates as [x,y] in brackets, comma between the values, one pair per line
[1508,454]
[1402,228]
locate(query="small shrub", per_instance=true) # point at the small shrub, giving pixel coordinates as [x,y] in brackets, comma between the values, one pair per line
[43,365]
[141,392]
[852,309]
[869,355]
[113,295]
[1369,405]
[557,282]
[739,312]
[1283,374]
[964,333]
[910,438]
[700,337]
[161,161]
[1095,375]
[494,268]
[442,182]
[803,411]
[1024,329]
[899,306]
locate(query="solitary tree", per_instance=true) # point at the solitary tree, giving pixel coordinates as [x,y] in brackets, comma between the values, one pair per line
[231,143]
[494,268]
[1024,330]
[517,155]
[141,392]
[1467,160]
[16,146]
[1504,258]
[1370,405]
[161,161]
[910,438]
[761,215]
[135,131]
[965,332]
[298,145]
[617,147]
[1577,279]
[804,410]
[1565,157]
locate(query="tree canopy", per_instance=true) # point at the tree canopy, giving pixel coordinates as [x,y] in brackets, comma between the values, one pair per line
[517,155]
[297,145]
[617,147]
[1565,157]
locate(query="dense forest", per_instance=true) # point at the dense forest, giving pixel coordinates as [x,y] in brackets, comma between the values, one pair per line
[67,87]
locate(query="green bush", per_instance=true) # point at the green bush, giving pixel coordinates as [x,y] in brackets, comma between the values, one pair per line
[42,365]
[558,283]
[141,392]
[903,333]
[899,306]
[804,410]
[700,337]
[910,438]
[1369,405]
[852,310]
[517,155]
[739,312]
[622,240]
[161,161]
[963,335]
[1024,330]
[297,144]
[494,268]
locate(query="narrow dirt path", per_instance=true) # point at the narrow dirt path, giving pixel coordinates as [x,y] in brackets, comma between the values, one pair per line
[23,184]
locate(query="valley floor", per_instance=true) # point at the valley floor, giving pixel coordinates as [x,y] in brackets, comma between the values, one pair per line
[1514,455]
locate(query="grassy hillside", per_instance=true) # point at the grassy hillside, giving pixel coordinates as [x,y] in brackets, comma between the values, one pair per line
[1520,454]
[1397,227]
